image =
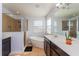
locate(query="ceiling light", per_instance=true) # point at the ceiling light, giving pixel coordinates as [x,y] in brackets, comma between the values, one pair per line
[37,6]
[57,4]
[62,5]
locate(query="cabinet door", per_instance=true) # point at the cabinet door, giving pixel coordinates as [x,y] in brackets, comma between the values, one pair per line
[45,46]
[53,53]
[6,46]
[48,48]
[52,50]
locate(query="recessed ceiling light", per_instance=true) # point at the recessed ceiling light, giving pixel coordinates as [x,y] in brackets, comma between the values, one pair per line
[57,4]
[37,6]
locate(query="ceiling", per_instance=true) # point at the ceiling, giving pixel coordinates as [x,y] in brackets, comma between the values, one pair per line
[73,10]
[41,9]
[30,9]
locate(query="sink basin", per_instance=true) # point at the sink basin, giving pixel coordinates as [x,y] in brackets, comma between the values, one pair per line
[55,36]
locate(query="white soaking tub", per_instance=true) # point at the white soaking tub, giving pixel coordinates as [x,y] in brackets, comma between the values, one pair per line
[37,41]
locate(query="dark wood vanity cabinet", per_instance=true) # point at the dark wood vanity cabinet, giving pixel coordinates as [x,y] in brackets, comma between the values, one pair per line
[53,50]
[53,53]
[47,47]
[6,46]
[57,51]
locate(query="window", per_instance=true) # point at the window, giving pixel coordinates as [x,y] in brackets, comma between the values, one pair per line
[49,25]
[55,26]
[37,26]
[37,23]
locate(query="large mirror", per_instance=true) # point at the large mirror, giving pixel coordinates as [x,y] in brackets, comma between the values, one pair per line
[70,26]
[70,19]
[10,24]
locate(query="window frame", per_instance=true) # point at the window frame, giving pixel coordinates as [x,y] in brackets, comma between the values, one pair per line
[49,26]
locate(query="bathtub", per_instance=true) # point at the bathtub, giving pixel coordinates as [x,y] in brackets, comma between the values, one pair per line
[37,42]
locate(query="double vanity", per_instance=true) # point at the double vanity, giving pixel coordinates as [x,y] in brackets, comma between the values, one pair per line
[55,45]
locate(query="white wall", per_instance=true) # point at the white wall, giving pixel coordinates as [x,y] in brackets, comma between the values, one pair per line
[0,29]
[17,40]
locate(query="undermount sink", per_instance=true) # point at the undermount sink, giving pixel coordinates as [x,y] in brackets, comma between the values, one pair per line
[55,36]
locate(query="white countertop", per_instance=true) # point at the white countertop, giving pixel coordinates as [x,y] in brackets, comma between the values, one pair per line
[72,50]
[6,35]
